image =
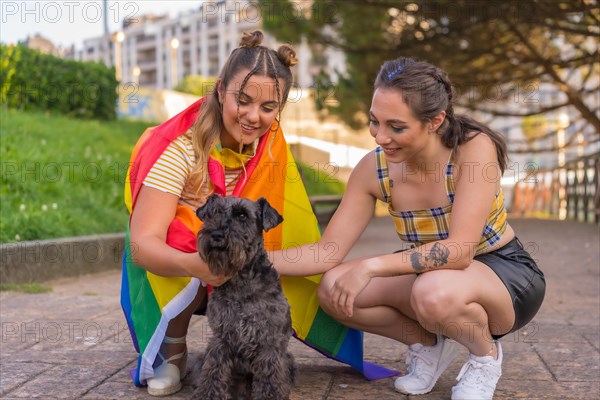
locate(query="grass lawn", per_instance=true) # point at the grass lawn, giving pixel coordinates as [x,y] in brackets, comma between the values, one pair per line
[63,177]
[34,288]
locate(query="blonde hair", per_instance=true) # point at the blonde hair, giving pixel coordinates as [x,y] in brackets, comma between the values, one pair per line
[258,60]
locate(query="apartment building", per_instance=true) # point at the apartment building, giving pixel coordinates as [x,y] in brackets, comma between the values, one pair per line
[159,51]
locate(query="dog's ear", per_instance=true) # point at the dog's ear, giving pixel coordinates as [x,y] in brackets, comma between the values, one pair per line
[270,216]
[206,209]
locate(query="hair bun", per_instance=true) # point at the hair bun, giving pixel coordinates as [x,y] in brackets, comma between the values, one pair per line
[287,55]
[252,39]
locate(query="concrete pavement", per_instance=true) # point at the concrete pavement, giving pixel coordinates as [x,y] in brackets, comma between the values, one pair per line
[73,343]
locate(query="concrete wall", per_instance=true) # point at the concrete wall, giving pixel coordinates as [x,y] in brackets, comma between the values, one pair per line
[39,261]
[150,104]
[309,155]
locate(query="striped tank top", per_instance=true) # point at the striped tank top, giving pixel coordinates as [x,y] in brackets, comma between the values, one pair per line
[424,226]
[172,172]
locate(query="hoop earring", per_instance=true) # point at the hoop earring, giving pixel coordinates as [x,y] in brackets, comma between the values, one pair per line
[274,130]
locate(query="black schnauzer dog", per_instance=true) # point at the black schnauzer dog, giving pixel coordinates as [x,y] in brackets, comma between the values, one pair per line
[249,315]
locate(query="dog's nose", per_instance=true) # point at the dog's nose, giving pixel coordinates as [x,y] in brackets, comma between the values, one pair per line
[217,236]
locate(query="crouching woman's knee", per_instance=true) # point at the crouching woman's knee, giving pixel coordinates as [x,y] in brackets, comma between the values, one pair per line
[433,301]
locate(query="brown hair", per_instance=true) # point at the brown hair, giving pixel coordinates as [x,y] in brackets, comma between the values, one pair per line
[257,59]
[427,91]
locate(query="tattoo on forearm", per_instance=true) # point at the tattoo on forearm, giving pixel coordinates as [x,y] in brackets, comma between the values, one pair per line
[437,257]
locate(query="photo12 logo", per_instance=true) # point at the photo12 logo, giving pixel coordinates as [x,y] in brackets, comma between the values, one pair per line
[67,11]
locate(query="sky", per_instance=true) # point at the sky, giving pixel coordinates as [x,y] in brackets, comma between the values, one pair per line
[67,22]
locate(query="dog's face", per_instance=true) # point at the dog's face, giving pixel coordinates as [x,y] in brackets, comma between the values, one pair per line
[232,232]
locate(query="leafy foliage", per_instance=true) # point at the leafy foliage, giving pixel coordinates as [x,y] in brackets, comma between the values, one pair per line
[498,54]
[197,85]
[319,182]
[35,81]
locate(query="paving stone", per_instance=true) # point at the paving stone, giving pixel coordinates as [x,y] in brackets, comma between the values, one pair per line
[70,334]
[124,374]
[521,362]
[346,386]
[581,390]
[15,338]
[523,388]
[16,374]
[556,356]
[64,381]
[571,363]
[53,306]
[57,356]
[311,383]
[116,390]
[542,332]
[593,337]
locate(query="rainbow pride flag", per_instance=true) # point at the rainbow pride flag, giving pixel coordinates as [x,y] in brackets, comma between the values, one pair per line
[150,301]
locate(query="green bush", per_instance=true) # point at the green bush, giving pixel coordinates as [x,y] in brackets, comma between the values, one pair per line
[197,85]
[319,181]
[35,81]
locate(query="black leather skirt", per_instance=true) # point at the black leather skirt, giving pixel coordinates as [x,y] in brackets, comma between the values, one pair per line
[521,276]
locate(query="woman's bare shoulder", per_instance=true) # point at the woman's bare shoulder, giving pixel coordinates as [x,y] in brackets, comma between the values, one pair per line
[364,175]
[479,146]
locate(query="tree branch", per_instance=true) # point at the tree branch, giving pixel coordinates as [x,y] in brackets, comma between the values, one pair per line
[583,31]
[553,148]
[516,114]
[548,67]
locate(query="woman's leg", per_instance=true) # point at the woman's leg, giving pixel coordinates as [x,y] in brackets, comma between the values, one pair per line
[170,364]
[466,305]
[383,307]
[178,327]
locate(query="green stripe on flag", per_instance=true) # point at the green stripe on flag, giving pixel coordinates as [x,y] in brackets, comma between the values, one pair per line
[326,334]
[145,312]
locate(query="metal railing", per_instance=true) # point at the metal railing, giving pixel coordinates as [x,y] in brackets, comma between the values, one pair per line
[568,192]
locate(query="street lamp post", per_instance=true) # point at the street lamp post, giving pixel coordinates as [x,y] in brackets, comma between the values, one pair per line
[174,44]
[136,72]
[563,123]
[118,37]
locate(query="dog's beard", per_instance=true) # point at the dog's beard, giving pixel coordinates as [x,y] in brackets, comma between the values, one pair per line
[223,260]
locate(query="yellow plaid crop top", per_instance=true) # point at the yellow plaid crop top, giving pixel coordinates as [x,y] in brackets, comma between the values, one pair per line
[425,226]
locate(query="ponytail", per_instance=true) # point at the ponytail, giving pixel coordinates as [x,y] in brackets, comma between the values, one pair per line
[459,128]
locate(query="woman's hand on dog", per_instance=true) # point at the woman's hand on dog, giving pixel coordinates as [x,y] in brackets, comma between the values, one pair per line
[197,268]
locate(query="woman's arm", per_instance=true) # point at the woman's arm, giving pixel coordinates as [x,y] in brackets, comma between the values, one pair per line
[150,220]
[343,230]
[476,183]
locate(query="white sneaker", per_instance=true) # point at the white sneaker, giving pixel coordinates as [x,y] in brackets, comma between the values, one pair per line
[425,365]
[478,377]
[167,377]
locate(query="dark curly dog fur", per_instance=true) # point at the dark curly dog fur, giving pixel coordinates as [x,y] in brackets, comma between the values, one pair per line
[249,315]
